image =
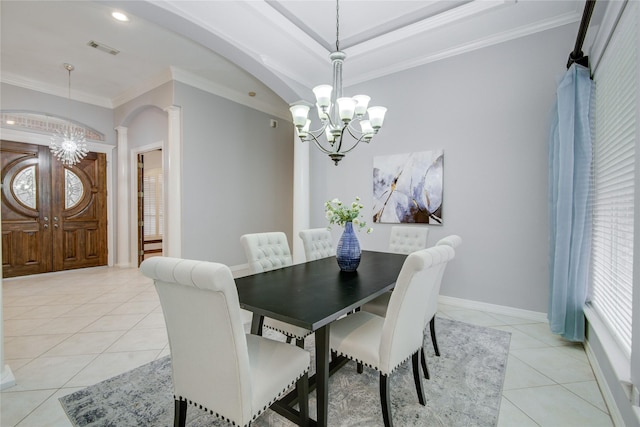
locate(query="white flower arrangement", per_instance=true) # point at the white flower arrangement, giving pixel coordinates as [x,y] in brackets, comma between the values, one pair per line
[338,213]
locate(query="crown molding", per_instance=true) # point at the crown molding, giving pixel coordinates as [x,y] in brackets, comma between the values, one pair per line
[20,81]
[543,25]
[163,77]
[462,12]
[230,94]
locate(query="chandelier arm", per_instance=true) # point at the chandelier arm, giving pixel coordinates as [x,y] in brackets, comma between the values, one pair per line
[319,131]
[314,138]
[354,132]
[355,144]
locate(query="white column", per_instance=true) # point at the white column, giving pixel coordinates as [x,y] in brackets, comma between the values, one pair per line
[300,195]
[123,219]
[173,184]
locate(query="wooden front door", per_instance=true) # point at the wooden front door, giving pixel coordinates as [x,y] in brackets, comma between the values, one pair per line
[53,217]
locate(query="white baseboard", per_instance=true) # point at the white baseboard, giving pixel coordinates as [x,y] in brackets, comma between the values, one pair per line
[239,270]
[493,308]
[609,400]
[8,380]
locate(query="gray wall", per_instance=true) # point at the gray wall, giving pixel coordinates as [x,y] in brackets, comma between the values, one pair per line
[488,110]
[149,126]
[237,175]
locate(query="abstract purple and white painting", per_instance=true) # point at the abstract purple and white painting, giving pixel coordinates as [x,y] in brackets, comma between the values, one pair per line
[407,188]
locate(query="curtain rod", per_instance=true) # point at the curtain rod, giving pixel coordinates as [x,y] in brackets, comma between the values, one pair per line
[577,55]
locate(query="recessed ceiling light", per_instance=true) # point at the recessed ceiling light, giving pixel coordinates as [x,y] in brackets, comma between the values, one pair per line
[120,16]
[11,122]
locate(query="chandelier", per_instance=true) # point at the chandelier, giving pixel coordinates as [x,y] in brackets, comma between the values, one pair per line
[344,123]
[68,144]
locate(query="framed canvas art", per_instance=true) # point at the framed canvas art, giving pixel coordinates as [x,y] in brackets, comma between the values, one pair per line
[407,188]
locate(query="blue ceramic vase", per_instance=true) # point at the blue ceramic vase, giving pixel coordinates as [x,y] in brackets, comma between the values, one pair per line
[348,250]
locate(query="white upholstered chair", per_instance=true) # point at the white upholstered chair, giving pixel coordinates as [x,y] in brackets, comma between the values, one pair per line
[384,343]
[214,364]
[402,240]
[266,252]
[405,239]
[317,243]
[379,305]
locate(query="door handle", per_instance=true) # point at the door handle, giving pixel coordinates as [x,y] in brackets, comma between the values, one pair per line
[55,225]
[46,226]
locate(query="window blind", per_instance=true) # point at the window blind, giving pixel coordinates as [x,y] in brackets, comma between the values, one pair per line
[613,180]
[153,209]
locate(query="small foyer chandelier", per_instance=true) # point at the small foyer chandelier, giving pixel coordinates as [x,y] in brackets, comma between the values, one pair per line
[344,124]
[68,143]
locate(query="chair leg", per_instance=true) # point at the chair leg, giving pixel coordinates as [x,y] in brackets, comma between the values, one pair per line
[432,326]
[180,413]
[360,368]
[385,401]
[288,340]
[424,364]
[417,378]
[302,388]
[300,342]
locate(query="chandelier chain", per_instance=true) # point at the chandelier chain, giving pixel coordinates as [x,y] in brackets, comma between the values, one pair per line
[337,26]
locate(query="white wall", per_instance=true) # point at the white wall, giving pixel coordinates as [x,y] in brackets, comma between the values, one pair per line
[488,110]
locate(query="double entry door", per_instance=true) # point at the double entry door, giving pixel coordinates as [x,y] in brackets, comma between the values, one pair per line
[54,217]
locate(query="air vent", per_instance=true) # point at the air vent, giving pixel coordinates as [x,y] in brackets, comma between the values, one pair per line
[103,47]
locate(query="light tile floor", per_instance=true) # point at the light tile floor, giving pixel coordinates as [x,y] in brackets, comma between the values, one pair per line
[65,331]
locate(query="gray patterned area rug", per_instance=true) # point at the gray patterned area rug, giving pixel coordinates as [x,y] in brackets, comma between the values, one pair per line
[464,390]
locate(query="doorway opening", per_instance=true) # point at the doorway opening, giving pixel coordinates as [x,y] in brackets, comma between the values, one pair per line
[150,204]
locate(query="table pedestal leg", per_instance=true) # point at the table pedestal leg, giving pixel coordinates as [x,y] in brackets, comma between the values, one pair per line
[322,374]
[256,324]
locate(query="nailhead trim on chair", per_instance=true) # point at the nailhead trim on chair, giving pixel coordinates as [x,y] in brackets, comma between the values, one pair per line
[289,334]
[256,415]
[375,367]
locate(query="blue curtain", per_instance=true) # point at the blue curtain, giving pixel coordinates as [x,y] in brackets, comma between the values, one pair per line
[569,208]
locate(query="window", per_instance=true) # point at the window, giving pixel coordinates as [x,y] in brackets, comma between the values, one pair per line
[613,180]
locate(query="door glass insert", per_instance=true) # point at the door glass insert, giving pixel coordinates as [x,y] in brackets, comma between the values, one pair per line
[73,189]
[24,186]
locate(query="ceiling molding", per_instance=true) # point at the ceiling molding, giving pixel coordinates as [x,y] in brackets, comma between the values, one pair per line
[291,30]
[505,36]
[55,90]
[426,25]
[230,94]
[149,84]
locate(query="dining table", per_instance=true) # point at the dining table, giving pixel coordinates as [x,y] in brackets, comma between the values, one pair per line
[312,295]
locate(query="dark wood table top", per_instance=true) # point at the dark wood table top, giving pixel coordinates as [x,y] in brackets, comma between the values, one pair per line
[315,293]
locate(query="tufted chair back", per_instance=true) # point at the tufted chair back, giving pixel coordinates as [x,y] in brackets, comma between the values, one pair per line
[404,239]
[266,251]
[402,333]
[318,243]
[209,356]
[453,241]
[215,366]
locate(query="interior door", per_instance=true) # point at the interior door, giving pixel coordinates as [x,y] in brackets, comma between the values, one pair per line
[140,209]
[53,217]
[26,192]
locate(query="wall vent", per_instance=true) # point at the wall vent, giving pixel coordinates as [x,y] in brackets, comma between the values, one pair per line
[103,47]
